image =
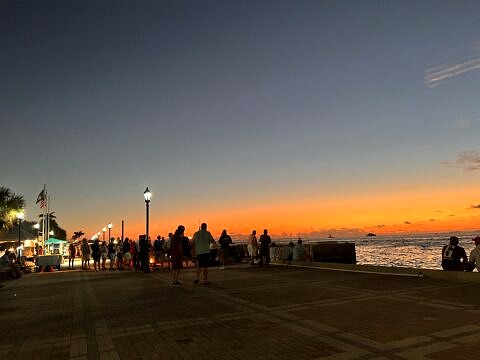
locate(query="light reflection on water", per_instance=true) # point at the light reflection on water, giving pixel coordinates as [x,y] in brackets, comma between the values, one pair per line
[419,251]
[415,251]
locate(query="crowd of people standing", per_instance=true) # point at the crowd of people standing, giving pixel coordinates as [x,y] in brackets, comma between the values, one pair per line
[176,250]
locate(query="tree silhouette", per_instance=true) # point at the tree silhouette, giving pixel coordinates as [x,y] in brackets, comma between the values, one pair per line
[10,205]
[77,235]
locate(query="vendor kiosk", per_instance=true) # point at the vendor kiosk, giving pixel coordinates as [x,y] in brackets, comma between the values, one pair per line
[54,250]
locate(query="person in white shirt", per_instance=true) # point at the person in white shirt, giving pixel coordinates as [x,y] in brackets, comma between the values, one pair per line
[475,254]
[252,246]
[299,251]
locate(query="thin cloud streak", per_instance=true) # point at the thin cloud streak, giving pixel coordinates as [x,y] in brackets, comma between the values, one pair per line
[435,76]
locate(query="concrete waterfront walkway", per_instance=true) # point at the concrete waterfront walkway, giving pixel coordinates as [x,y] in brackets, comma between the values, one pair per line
[246,313]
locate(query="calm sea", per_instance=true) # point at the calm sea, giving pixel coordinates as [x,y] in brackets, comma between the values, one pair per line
[407,250]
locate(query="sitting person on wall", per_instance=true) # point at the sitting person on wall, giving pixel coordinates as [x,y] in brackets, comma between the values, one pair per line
[454,257]
[299,251]
[287,252]
[9,267]
[474,258]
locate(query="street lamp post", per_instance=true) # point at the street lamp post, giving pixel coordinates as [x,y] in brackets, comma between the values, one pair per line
[20,217]
[109,230]
[144,246]
[37,228]
[103,230]
[147,195]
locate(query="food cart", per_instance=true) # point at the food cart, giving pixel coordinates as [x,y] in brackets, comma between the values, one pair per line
[54,249]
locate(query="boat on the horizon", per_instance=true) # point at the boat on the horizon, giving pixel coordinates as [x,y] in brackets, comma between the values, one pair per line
[371,234]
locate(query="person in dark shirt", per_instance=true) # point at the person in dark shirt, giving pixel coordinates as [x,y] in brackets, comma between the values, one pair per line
[96,255]
[176,252]
[143,244]
[265,242]
[225,241]
[454,257]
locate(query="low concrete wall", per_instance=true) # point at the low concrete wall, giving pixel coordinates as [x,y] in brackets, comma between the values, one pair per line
[340,252]
[334,252]
[457,276]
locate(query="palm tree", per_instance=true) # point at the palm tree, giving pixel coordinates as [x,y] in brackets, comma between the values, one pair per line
[50,215]
[10,205]
[77,235]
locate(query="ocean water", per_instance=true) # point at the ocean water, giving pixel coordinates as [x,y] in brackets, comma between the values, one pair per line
[408,250]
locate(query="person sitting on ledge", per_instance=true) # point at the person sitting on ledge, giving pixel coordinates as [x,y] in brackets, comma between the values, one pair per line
[6,265]
[287,252]
[299,251]
[454,257]
[474,259]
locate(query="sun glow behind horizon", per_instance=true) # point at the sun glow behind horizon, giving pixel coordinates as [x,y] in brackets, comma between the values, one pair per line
[403,212]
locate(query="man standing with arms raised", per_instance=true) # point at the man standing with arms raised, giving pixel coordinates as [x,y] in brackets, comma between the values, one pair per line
[201,241]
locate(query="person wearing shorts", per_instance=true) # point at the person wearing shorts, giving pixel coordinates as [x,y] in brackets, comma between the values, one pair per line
[201,242]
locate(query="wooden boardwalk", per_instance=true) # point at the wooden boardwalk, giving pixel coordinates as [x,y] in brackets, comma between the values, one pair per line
[246,313]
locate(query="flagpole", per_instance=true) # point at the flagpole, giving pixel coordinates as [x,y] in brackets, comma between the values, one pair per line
[48,217]
[44,220]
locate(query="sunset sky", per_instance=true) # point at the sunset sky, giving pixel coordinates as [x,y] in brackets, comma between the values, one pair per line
[303,117]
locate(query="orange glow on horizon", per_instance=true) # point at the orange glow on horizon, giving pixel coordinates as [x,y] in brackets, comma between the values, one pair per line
[413,211]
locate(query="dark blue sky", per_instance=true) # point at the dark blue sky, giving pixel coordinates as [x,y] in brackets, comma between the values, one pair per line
[227,104]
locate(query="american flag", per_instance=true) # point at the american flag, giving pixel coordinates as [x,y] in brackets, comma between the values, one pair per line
[41,198]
